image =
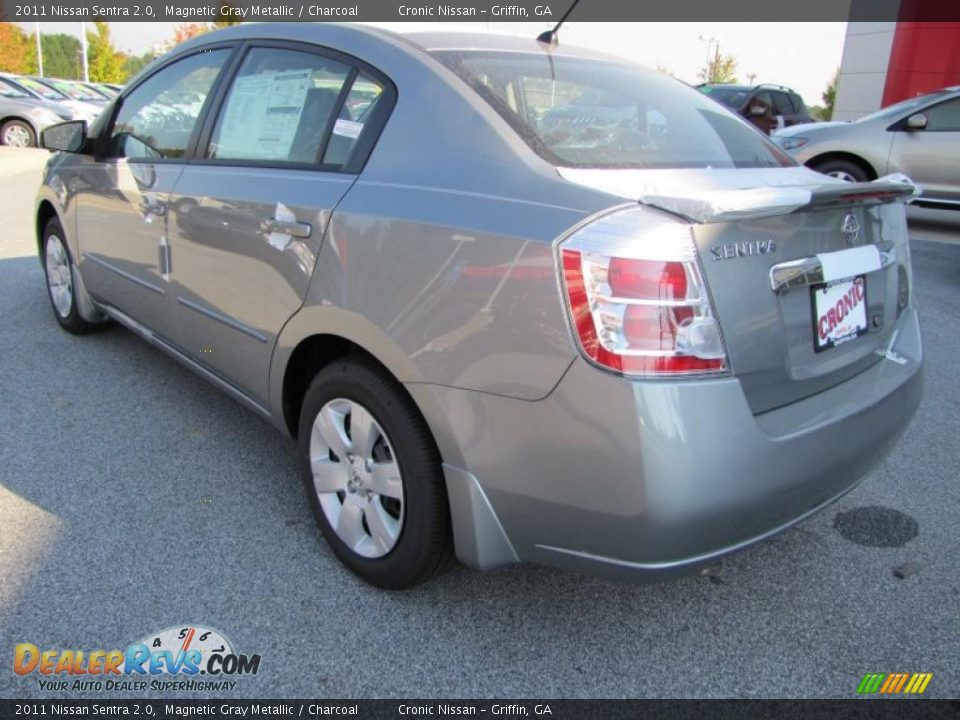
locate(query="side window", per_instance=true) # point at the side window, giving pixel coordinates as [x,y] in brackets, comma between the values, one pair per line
[157,119]
[281,107]
[797,101]
[782,104]
[362,100]
[944,117]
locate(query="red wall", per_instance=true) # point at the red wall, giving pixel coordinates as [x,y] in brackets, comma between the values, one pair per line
[925,56]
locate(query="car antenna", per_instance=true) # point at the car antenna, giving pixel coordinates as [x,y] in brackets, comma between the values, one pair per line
[550,37]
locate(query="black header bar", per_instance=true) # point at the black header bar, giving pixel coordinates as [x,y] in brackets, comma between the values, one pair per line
[217,709]
[546,11]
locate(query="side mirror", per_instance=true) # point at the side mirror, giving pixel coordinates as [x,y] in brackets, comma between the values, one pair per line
[65,137]
[757,111]
[917,122]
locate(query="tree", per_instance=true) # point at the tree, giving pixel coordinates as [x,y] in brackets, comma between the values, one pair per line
[104,62]
[132,64]
[61,56]
[18,52]
[830,95]
[224,19]
[721,69]
[185,31]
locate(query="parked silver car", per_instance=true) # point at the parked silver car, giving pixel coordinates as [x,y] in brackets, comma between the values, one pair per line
[625,347]
[22,117]
[67,108]
[919,137]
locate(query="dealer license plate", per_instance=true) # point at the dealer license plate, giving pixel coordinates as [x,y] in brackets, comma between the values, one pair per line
[839,312]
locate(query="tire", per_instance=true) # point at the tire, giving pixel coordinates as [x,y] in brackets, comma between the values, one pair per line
[17,133]
[397,543]
[58,265]
[843,169]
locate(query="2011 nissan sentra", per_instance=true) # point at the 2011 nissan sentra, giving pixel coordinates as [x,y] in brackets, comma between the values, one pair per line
[626,346]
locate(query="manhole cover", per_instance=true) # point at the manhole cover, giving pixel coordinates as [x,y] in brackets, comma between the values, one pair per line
[876,526]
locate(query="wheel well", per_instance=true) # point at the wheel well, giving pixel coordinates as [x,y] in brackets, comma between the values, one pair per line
[309,357]
[45,213]
[25,121]
[848,157]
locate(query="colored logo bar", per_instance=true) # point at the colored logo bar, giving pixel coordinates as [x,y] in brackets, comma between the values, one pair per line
[894,683]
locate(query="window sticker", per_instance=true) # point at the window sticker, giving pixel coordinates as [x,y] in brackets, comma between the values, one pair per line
[348,128]
[262,115]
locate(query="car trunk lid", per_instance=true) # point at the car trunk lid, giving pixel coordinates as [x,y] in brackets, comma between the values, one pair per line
[802,270]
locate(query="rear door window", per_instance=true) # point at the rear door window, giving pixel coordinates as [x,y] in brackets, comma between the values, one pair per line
[282,106]
[359,110]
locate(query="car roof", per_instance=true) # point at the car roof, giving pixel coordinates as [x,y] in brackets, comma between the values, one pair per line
[415,40]
[440,40]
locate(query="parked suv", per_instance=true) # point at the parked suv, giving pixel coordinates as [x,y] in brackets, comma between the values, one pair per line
[628,347]
[769,107]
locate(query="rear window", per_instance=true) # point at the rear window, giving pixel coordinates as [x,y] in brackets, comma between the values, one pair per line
[577,112]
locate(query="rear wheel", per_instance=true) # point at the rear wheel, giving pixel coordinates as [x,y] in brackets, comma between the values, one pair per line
[845,170]
[372,476]
[17,133]
[58,267]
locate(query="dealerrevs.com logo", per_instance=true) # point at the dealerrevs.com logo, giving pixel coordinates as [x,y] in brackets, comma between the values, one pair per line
[189,657]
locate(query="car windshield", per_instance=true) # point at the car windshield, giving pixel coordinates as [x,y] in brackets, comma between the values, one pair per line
[42,90]
[98,93]
[77,92]
[577,112]
[732,97]
[12,91]
[900,107]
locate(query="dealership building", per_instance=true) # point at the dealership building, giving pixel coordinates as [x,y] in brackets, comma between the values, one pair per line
[885,62]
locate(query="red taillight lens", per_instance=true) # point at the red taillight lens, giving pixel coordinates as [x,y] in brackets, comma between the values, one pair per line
[651,279]
[637,298]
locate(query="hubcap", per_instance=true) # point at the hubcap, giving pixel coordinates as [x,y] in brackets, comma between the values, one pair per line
[357,478]
[845,176]
[59,280]
[16,136]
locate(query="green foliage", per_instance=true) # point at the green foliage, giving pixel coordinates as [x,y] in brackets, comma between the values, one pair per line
[830,95]
[105,63]
[720,69]
[61,56]
[132,64]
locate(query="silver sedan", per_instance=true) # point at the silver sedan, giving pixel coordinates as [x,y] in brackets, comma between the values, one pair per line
[516,301]
[919,137]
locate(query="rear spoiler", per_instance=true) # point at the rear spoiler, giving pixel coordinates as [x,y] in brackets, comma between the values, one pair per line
[710,206]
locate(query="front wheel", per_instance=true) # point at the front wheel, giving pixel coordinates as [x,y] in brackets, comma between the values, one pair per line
[845,170]
[16,133]
[373,477]
[60,288]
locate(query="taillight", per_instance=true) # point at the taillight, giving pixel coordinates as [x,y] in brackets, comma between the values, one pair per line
[636,296]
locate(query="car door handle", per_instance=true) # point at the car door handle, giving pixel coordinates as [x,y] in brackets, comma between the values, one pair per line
[286,227]
[154,207]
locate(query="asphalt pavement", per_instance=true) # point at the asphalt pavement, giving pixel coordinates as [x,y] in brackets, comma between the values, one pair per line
[135,497]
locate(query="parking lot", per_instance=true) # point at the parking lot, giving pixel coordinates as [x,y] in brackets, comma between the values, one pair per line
[134,497]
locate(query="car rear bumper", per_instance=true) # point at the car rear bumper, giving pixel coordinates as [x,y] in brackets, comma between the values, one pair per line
[639,479]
